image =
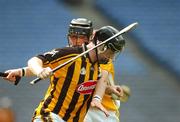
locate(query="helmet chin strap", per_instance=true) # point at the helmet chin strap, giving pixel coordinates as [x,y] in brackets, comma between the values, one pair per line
[96,50]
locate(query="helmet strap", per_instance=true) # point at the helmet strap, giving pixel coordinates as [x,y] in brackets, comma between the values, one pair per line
[96,50]
[102,49]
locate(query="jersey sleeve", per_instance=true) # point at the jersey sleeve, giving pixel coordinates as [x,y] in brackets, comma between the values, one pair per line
[50,55]
[58,53]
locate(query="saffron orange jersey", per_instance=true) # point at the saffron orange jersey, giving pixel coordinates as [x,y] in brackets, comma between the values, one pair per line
[107,101]
[71,87]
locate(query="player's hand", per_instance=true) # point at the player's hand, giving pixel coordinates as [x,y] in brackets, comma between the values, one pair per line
[96,103]
[116,90]
[126,94]
[12,75]
[44,73]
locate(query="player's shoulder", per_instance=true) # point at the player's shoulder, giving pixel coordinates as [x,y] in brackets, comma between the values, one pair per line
[58,53]
[109,66]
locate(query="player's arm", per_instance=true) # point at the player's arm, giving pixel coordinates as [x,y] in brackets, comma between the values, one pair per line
[101,84]
[35,65]
[99,92]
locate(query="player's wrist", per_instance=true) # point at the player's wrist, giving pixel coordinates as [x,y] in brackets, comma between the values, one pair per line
[97,97]
[23,72]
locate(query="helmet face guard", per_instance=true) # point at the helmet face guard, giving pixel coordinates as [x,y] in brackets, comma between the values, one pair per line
[80,26]
[78,30]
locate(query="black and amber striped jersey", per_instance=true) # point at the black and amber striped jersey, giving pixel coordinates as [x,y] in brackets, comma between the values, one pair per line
[71,87]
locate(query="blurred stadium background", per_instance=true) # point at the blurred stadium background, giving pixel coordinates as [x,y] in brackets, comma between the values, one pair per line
[150,64]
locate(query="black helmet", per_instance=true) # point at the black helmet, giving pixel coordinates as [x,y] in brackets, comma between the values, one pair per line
[81,26]
[115,44]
